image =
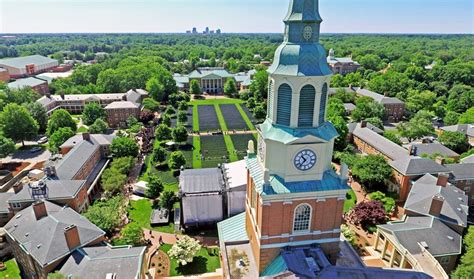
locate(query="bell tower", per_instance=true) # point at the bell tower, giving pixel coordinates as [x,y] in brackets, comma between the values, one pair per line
[294,197]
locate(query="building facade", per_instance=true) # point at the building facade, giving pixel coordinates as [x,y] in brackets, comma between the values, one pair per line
[119,112]
[38,85]
[294,198]
[341,65]
[4,75]
[394,107]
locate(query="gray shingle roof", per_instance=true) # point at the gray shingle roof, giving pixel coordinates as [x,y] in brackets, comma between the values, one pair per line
[44,239]
[462,171]
[468,159]
[410,165]
[75,159]
[96,262]
[201,181]
[454,210]
[21,62]
[467,129]
[26,82]
[378,97]
[135,96]
[4,197]
[100,139]
[382,144]
[56,189]
[433,148]
[353,125]
[122,105]
[204,72]
[441,239]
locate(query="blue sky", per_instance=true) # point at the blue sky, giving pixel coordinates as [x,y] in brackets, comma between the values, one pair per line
[246,16]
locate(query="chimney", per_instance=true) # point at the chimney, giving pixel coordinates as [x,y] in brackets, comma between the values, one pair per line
[72,236]
[62,95]
[439,160]
[412,150]
[124,97]
[17,187]
[385,94]
[436,206]
[86,136]
[442,180]
[363,124]
[39,209]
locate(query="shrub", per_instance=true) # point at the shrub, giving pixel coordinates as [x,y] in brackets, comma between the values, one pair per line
[184,250]
[369,214]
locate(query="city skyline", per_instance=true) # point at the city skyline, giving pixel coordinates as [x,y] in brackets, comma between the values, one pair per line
[166,16]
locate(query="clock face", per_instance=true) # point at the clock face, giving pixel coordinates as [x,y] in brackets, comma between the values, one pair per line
[307,33]
[305,160]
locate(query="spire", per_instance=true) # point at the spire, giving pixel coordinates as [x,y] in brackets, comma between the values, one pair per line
[302,23]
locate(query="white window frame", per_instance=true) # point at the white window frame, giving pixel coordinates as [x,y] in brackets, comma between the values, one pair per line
[300,230]
[445,260]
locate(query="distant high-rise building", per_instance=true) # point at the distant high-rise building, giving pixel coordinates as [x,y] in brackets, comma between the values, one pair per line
[218,31]
[212,32]
[195,30]
[188,31]
[206,31]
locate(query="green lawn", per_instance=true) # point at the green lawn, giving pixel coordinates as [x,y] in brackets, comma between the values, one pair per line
[82,129]
[202,263]
[215,102]
[350,201]
[197,163]
[140,212]
[12,270]
[195,118]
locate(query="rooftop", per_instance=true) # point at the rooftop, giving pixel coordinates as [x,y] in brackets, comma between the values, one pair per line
[54,189]
[210,72]
[464,171]
[121,105]
[26,82]
[21,62]
[100,139]
[467,129]
[454,210]
[378,97]
[75,159]
[431,149]
[194,181]
[235,174]
[232,229]
[97,262]
[468,159]
[412,166]
[44,239]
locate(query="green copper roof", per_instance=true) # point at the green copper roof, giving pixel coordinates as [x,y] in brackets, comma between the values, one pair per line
[283,134]
[277,266]
[232,229]
[303,10]
[277,186]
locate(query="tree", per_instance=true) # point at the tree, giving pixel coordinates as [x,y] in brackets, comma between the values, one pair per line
[159,155]
[132,121]
[194,87]
[182,117]
[163,132]
[56,275]
[230,88]
[180,134]
[183,105]
[369,214]
[92,112]
[371,62]
[451,118]
[259,112]
[17,123]
[156,89]
[39,113]
[7,147]
[417,100]
[367,108]
[132,234]
[371,170]
[151,105]
[60,119]
[106,214]
[113,181]
[388,202]
[123,147]
[341,127]
[335,108]
[184,250]
[176,160]
[155,186]
[344,96]
[259,85]
[123,164]
[99,127]
[456,141]
[377,122]
[167,200]
[166,120]
[59,137]
[390,135]
[467,117]
[146,116]
[465,269]
[419,126]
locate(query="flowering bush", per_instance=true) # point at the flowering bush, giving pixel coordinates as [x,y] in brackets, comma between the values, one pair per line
[184,250]
[369,214]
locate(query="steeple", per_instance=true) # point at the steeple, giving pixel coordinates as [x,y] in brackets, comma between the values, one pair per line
[301,54]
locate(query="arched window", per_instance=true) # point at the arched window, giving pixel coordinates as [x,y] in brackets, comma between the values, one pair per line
[270,99]
[302,218]
[322,105]
[284,105]
[306,107]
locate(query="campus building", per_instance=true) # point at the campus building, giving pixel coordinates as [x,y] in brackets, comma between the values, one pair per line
[37,84]
[467,129]
[45,237]
[429,238]
[4,75]
[119,112]
[394,107]
[341,65]
[19,67]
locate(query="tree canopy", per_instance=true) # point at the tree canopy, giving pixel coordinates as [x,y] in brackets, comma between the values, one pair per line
[60,119]
[17,123]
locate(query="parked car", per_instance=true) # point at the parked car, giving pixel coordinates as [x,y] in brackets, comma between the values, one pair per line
[36,149]
[42,140]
